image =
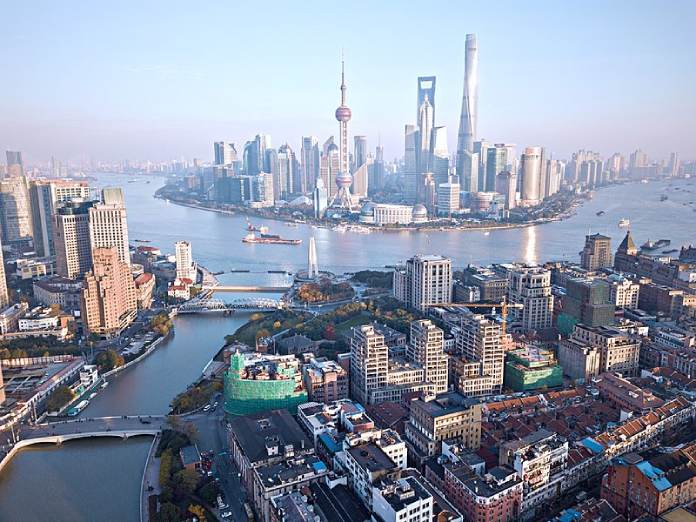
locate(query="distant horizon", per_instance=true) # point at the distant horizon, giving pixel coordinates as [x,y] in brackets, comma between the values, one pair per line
[164,81]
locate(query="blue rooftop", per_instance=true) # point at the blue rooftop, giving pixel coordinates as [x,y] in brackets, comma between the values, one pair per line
[592,445]
[656,475]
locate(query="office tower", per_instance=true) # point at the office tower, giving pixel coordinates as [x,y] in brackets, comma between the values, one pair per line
[225,152]
[554,174]
[312,262]
[262,190]
[286,170]
[108,303]
[623,293]
[673,165]
[426,88]
[255,154]
[597,252]
[481,148]
[638,159]
[590,174]
[469,115]
[71,240]
[15,210]
[330,165]
[343,199]
[448,198]
[479,340]
[426,348]
[4,295]
[588,301]
[429,196]
[185,267]
[496,162]
[410,172]
[46,197]
[108,226]
[369,363]
[427,280]
[531,288]
[376,183]
[15,165]
[470,171]
[359,151]
[320,199]
[361,164]
[309,162]
[274,170]
[530,170]
[439,155]
[506,185]
[615,165]
[425,130]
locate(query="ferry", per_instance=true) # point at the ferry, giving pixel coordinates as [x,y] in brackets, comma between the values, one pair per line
[75,410]
[358,228]
[104,384]
[644,181]
[253,228]
[600,213]
[663,198]
[269,239]
[143,241]
[624,223]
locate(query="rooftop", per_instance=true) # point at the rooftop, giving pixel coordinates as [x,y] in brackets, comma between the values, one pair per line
[371,457]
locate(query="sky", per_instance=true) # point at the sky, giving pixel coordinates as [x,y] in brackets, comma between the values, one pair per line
[162,80]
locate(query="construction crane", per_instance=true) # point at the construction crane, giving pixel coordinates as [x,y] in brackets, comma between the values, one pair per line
[504,305]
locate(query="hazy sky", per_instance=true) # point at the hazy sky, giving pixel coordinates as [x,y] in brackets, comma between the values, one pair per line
[160,80]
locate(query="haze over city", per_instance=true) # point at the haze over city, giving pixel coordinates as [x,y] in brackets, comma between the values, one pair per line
[162,80]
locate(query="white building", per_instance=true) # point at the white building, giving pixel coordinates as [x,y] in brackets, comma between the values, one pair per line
[108,226]
[427,280]
[386,214]
[185,268]
[89,375]
[426,348]
[39,319]
[531,288]
[624,293]
[448,198]
[401,500]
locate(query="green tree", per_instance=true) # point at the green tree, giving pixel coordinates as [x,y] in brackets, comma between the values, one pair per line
[108,360]
[185,482]
[59,398]
[209,492]
[169,513]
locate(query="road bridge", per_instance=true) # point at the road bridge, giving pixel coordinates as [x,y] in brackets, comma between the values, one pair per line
[210,305]
[242,288]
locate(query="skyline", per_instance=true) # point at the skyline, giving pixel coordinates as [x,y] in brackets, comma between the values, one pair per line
[625,88]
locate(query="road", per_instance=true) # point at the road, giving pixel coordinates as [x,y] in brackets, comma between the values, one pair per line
[93,425]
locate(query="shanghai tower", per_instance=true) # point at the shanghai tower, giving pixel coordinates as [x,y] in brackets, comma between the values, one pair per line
[467,122]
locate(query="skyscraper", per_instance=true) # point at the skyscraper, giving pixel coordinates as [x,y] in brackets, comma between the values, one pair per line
[286,170]
[109,301]
[46,197]
[108,226]
[361,164]
[369,363]
[426,280]
[469,115]
[496,162]
[15,210]
[530,168]
[309,162]
[343,199]
[4,296]
[329,166]
[225,152]
[439,155]
[71,240]
[531,287]
[185,267]
[479,341]
[506,184]
[320,199]
[425,129]
[410,172]
[426,88]
[15,166]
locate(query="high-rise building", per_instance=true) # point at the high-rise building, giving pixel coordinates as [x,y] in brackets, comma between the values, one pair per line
[469,115]
[320,199]
[329,166]
[15,165]
[470,171]
[480,368]
[344,180]
[597,252]
[262,190]
[4,295]
[426,348]
[15,210]
[496,162]
[426,280]
[506,185]
[108,226]
[425,131]
[531,288]
[361,165]
[377,178]
[625,259]
[287,175]
[309,162]
[673,165]
[71,239]
[46,197]
[439,155]
[225,152]
[448,198]
[588,301]
[426,88]
[623,293]
[109,301]
[369,363]
[185,267]
[410,172]
[530,170]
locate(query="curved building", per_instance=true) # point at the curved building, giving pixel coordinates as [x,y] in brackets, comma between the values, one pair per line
[256,382]
[530,167]
[469,115]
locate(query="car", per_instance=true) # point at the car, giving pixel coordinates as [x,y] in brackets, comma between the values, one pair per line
[207,407]
[226,514]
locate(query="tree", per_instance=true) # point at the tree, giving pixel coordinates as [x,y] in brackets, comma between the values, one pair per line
[262,333]
[108,360]
[185,482]
[209,492]
[191,431]
[169,513]
[197,510]
[59,398]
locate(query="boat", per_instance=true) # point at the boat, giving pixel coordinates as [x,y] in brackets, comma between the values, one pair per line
[624,223]
[142,241]
[255,228]
[487,233]
[75,410]
[670,251]
[359,229]
[104,384]
[644,181]
[132,181]
[600,213]
[648,245]
[269,239]
[663,198]
[92,395]
[339,228]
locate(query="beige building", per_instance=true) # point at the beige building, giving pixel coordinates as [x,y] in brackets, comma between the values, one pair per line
[623,292]
[15,210]
[531,287]
[4,295]
[369,362]
[426,280]
[109,297]
[325,381]
[481,364]
[108,226]
[435,418]
[597,252]
[579,361]
[618,350]
[426,348]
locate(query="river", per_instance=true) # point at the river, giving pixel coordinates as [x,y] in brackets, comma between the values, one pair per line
[99,480]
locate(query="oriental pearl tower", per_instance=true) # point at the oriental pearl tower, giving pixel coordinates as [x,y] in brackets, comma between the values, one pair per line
[343,199]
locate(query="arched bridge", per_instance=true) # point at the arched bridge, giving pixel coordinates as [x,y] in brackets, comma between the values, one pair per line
[210,305]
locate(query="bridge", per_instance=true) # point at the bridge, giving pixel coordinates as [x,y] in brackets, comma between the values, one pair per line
[238,288]
[62,431]
[210,305]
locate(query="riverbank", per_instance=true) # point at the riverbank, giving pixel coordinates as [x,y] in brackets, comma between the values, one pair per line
[149,485]
[150,348]
[440,225]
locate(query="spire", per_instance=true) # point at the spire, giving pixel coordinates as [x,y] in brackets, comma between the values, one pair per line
[343,81]
[627,246]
